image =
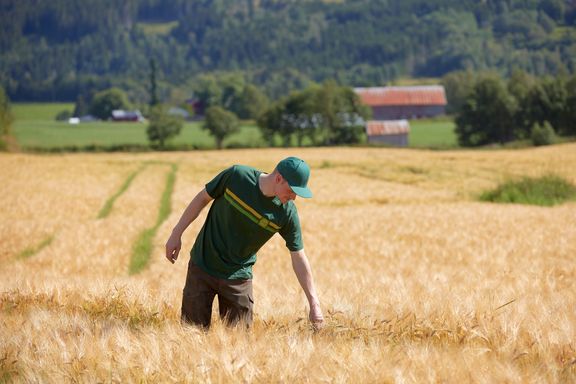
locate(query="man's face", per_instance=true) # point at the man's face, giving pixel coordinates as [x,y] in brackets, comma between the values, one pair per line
[283,191]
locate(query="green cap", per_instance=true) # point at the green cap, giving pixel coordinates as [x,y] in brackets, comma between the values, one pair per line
[296,172]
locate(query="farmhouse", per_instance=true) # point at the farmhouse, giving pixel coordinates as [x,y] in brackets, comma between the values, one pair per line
[392,106]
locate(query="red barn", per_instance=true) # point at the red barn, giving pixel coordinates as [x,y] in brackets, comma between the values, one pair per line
[394,103]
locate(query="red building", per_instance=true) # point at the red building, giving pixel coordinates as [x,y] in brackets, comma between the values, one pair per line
[393,106]
[394,103]
[391,132]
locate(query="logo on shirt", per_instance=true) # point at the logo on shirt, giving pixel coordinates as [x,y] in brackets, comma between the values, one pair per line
[250,212]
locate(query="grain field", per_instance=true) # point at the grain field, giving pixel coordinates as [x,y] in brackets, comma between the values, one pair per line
[419,282]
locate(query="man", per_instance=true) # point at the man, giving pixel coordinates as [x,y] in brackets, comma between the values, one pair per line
[249,208]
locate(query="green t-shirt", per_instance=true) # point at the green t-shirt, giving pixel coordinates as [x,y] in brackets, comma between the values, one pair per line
[241,219]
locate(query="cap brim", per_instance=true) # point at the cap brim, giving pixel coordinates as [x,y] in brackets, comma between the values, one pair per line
[302,192]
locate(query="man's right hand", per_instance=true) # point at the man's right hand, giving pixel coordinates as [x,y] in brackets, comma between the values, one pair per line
[316,317]
[173,246]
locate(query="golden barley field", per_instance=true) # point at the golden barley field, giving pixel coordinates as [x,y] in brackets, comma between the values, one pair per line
[419,282]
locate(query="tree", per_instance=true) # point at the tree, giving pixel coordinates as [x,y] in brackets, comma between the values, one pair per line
[220,123]
[487,115]
[162,126]
[6,119]
[106,101]
[272,122]
[223,90]
[80,108]
[342,114]
[570,112]
[519,86]
[252,103]
[458,86]
[547,101]
[300,117]
[153,86]
[329,114]
[553,8]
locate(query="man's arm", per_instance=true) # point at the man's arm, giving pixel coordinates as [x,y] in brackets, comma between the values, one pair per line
[190,214]
[303,272]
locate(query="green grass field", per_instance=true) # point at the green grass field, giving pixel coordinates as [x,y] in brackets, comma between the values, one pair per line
[433,133]
[35,128]
[39,111]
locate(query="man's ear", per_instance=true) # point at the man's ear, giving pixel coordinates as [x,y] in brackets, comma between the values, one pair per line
[278,178]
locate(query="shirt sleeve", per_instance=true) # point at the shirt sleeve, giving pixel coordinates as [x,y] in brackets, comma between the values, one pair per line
[292,233]
[217,186]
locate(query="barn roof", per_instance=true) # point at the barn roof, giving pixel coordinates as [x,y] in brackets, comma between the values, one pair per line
[387,127]
[413,95]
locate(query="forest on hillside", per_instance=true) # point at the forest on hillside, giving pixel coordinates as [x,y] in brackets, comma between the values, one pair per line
[55,50]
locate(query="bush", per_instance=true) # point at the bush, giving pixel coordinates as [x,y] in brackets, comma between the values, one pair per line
[545,191]
[106,101]
[542,134]
[63,115]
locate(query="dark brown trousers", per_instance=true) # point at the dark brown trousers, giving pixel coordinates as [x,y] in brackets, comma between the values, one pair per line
[235,301]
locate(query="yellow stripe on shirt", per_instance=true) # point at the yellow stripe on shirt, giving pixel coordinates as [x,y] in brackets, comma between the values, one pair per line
[249,208]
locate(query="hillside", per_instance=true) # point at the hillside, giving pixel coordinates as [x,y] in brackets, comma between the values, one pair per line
[54,50]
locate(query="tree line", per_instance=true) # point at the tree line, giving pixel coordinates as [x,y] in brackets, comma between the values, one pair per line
[324,114]
[489,109]
[55,50]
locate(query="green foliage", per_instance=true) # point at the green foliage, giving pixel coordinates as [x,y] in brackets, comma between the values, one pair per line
[327,114]
[231,92]
[104,102]
[494,113]
[569,120]
[56,50]
[271,122]
[252,103]
[162,126]
[80,108]
[458,86]
[542,134]
[220,123]
[555,9]
[153,84]
[6,118]
[546,101]
[487,115]
[546,191]
[342,114]
[63,115]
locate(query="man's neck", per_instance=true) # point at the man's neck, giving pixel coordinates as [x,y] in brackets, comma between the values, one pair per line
[266,184]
